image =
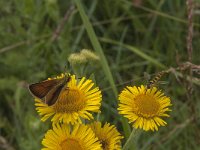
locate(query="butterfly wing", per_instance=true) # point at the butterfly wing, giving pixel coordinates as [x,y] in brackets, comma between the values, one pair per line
[41,89]
[53,94]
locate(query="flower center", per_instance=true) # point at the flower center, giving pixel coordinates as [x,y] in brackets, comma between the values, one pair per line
[70,144]
[146,105]
[70,100]
[104,144]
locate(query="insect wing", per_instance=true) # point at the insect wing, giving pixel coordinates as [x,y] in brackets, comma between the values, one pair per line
[53,94]
[41,89]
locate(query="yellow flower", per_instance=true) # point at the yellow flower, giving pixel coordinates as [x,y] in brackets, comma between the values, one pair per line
[144,107]
[108,136]
[73,104]
[62,137]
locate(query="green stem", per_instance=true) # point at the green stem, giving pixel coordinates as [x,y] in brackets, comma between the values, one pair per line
[130,141]
[96,45]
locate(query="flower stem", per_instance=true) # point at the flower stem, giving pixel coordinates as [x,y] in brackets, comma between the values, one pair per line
[130,141]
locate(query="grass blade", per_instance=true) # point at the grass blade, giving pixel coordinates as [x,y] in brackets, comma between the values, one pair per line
[96,45]
[136,51]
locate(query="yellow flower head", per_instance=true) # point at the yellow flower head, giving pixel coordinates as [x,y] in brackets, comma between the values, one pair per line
[108,136]
[76,102]
[144,107]
[61,137]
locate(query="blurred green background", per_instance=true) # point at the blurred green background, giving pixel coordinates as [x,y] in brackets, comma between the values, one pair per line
[137,37]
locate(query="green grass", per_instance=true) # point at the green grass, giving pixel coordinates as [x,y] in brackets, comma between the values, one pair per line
[129,40]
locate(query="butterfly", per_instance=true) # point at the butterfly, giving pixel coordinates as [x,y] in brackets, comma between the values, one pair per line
[49,90]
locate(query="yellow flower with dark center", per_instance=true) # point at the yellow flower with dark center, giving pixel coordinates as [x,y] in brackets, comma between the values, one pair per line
[62,137]
[108,136]
[144,107]
[73,104]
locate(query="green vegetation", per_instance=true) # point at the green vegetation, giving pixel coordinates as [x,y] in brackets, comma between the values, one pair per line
[130,41]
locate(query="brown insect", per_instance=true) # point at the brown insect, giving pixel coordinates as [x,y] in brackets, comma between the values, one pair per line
[49,90]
